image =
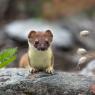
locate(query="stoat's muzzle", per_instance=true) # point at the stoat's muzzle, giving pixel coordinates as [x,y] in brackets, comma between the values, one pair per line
[41,45]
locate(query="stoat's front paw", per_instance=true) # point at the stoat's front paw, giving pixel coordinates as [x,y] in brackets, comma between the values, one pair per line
[50,70]
[32,70]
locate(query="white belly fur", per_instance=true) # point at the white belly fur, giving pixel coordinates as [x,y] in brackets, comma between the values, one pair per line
[40,59]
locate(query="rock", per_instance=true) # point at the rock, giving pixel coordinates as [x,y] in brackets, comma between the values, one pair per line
[20,82]
[81,51]
[78,23]
[19,29]
[89,69]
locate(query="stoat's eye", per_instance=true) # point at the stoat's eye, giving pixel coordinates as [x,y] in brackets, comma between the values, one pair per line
[46,42]
[36,42]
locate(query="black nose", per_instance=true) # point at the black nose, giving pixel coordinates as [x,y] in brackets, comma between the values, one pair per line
[43,48]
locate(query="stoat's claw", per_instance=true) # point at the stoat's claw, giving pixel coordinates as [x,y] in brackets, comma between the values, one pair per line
[32,70]
[50,70]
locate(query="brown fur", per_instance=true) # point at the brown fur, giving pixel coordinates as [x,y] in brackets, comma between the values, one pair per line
[24,61]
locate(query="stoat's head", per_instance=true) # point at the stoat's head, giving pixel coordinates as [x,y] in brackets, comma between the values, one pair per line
[40,40]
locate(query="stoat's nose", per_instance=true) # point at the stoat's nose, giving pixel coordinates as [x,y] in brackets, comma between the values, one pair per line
[42,47]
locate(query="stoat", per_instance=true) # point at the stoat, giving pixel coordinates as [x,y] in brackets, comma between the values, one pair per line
[39,55]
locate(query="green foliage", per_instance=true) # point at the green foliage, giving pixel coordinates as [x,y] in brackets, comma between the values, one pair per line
[7,56]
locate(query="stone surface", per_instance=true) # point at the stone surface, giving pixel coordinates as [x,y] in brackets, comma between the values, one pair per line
[89,69]
[21,82]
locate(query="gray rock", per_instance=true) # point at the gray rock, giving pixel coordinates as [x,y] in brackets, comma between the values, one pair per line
[19,29]
[89,69]
[78,23]
[21,82]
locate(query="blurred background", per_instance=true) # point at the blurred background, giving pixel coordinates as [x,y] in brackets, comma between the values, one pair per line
[66,18]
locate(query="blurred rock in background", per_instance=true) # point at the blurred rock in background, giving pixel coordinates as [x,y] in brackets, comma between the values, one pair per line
[89,70]
[78,23]
[19,30]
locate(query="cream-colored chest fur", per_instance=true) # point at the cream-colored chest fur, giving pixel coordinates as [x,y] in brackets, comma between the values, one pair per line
[40,59]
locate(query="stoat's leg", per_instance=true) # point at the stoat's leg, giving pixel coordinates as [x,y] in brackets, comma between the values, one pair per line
[50,69]
[31,69]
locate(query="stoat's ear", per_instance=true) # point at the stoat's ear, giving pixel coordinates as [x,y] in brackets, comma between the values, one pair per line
[31,34]
[49,33]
